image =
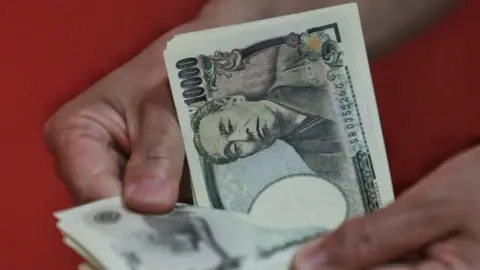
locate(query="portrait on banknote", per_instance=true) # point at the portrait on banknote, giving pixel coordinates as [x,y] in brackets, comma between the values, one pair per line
[295,110]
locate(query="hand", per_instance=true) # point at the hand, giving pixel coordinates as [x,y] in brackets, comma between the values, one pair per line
[438,221]
[121,135]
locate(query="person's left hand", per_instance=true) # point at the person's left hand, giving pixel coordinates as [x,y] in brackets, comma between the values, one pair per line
[433,226]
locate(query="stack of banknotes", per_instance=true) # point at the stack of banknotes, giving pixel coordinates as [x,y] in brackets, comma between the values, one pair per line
[283,142]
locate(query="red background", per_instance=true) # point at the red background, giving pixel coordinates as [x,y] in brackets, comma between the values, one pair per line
[428,95]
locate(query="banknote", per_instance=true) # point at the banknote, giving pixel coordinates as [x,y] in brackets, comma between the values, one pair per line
[279,118]
[189,237]
[90,260]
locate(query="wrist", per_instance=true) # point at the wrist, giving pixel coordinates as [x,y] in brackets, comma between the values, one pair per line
[227,12]
[151,60]
[215,13]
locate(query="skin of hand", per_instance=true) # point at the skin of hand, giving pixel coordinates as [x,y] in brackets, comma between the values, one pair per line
[437,221]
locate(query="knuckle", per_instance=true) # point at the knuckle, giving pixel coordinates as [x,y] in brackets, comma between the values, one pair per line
[57,138]
[364,240]
[63,131]
[356,240]
[49,127]
[54,128]
[50,133]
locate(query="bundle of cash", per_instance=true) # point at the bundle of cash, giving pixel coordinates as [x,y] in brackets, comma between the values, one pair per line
[280,124]
[109,236]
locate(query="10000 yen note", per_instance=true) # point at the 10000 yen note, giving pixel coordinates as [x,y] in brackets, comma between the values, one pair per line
[279,118]
[188,238]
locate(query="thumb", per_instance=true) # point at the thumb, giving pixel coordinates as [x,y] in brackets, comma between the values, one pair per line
[154,170]
[414,220]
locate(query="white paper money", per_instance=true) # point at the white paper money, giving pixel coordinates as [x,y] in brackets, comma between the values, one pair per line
[91,261]
[279,118]
[188,238]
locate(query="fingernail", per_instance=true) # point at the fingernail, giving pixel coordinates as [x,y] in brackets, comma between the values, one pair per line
[310,257]
[150,191]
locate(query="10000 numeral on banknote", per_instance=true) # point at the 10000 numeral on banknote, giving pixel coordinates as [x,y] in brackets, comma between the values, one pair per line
[280,128]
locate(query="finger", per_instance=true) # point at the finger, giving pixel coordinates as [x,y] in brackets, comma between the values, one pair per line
[425,265]
[154,170]
[412,221]
[86,161]
[454,254]
[457,254]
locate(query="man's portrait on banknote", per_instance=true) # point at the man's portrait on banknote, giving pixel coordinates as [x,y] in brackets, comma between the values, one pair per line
[297,109]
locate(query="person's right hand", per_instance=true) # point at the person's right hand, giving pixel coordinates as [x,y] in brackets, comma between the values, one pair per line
[121,137]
